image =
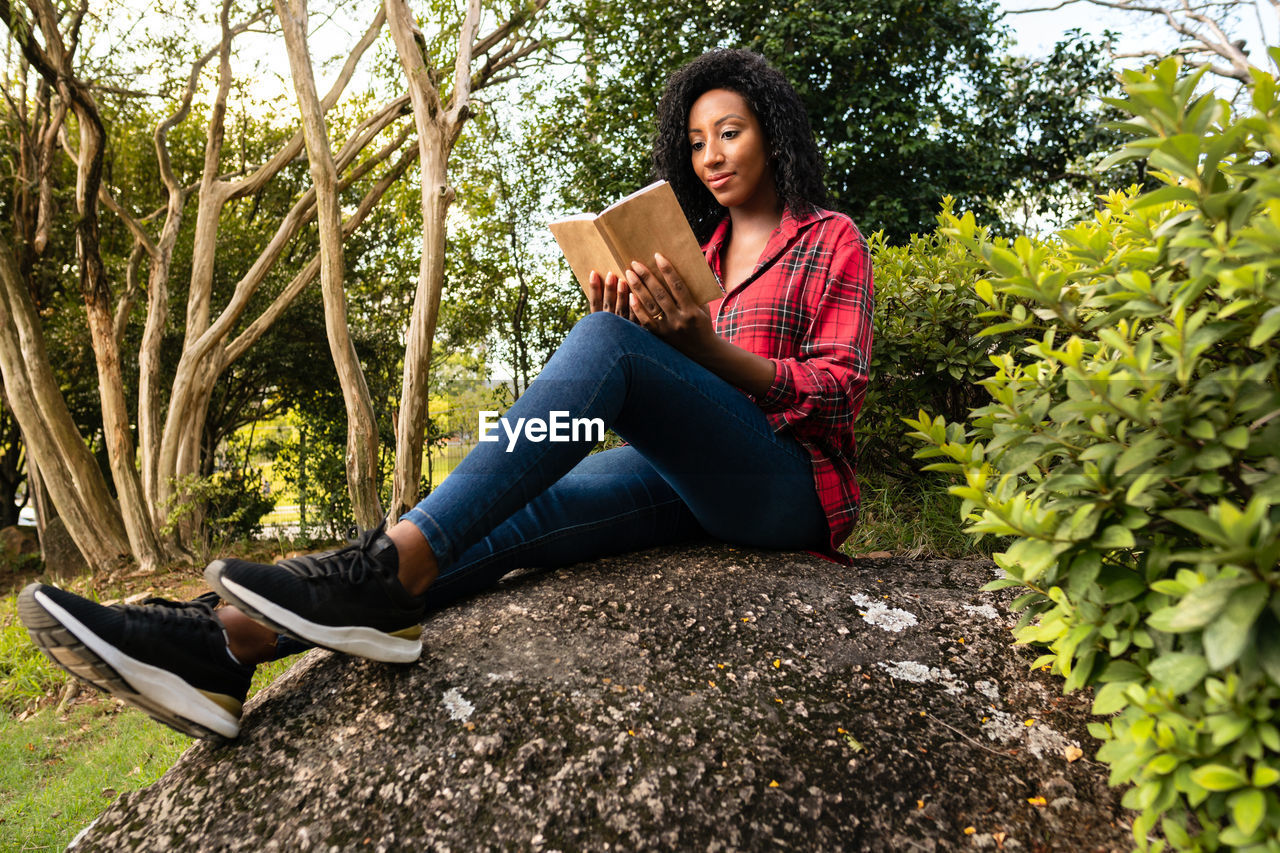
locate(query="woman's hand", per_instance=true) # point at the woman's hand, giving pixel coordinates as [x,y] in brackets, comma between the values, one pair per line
[664,306]
[608,294]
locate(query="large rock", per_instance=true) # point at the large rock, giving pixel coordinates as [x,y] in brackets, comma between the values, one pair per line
[16,542]
[692,699]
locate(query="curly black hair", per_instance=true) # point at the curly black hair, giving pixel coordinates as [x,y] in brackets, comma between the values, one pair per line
[797,167]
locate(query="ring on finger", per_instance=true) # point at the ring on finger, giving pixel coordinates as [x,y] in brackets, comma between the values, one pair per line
[657,317]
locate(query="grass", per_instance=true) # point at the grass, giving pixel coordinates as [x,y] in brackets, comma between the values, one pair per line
[59,771]
[912,518]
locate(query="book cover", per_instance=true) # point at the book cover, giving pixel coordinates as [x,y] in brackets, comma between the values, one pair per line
[634,228]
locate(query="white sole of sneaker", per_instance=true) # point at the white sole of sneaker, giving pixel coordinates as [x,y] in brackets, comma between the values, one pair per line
[153,685]
[350,639]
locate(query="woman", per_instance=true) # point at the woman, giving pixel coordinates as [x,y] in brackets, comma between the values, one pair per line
[738,421]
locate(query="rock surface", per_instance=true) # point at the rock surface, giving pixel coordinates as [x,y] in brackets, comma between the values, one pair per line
[695,699]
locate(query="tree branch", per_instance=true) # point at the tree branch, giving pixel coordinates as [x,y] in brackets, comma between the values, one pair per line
[460,100]
[127,299]
[307,274]
[259,178]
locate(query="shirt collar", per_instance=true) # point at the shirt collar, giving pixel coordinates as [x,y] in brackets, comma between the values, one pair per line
[790,225]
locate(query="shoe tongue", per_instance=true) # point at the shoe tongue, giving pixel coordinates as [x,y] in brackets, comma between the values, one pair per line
[384,551]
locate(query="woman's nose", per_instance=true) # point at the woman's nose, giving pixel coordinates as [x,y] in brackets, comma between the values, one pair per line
[711,154]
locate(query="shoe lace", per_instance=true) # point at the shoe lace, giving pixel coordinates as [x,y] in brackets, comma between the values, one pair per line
[352,563]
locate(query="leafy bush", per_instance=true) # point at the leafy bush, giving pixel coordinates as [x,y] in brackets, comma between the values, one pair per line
[225,507]
[1130,446]
[927,352]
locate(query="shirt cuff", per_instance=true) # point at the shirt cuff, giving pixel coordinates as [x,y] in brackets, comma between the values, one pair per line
[782,391]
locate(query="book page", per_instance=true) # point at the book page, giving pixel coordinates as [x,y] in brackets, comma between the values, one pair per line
[650,221]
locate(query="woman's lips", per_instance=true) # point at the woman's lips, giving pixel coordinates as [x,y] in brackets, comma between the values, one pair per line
[715,182]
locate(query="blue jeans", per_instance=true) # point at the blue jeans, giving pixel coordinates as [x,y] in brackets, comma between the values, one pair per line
[701,459]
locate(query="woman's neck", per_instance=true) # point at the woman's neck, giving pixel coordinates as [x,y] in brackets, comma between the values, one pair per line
[759,216]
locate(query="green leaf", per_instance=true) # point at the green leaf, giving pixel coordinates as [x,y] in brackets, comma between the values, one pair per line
[1226,638]
[1121,670]
[1269,648]
[1165,195]
[1110,698]
[1203,604]
[1267,327]
[1215,777]
[1000,583]
[1123,589]
[1115,537]
[1179,671]
[1162,764]
[1200,524]
[1247,810]
[1144,450]
[1265,776]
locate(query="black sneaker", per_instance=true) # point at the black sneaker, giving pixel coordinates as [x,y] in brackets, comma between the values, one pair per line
[348,600]
[169,659]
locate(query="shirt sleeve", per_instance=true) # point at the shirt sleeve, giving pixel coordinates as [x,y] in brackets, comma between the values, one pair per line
[819,392]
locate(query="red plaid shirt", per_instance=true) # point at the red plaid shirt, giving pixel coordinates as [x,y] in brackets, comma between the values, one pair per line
[807,307]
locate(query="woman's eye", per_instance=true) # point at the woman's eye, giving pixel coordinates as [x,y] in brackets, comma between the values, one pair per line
[697,146]
[729,134]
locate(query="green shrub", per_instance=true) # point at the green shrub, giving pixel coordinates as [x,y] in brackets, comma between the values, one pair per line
[1130,446]
[224,508]
[927,352]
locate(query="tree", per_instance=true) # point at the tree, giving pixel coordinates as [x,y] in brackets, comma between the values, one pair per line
[441,107]
[1205,29]
[899,95]
[143,480]
[510,297]
[362,436]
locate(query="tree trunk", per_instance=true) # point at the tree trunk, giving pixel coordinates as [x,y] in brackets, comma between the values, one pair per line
[438,130]
[412,422]
[69,472]
[144,544]
[362,431]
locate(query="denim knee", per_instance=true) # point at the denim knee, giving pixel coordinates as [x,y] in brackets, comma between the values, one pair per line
[600,331]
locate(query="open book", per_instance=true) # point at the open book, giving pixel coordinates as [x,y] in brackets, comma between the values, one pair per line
[633,229]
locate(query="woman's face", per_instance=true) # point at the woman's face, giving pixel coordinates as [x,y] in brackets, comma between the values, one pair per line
[730,152]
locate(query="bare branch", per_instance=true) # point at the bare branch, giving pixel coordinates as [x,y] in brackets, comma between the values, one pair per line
[131,291]
[300,214]
[509,61]
[307,274]
[406,36]
[461,97]
[259,178]
[184,108]
[487,43]
[1200,25]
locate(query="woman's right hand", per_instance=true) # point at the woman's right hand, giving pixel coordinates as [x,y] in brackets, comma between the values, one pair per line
[608,293]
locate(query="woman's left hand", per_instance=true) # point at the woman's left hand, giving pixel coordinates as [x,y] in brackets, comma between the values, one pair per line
[668,309]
